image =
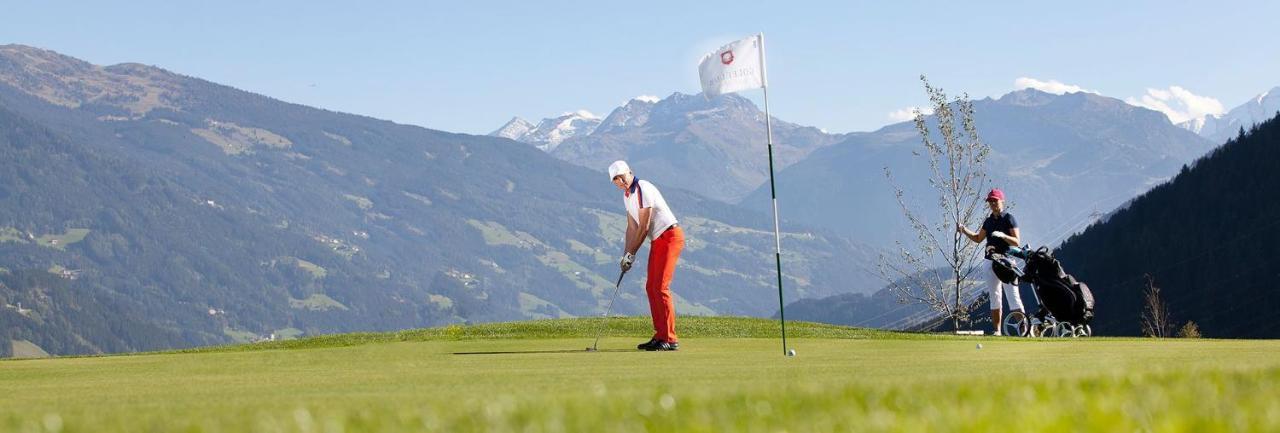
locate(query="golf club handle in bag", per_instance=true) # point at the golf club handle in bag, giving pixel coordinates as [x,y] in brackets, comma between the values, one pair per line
[1019,252]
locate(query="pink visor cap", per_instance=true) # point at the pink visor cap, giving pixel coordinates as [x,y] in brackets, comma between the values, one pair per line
[995,194]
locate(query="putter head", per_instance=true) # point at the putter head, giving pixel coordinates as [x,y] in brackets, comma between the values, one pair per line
[591,349]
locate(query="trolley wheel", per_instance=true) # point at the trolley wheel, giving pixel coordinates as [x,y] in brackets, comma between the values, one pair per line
[1065,330]
[1016,324]
[1045,329]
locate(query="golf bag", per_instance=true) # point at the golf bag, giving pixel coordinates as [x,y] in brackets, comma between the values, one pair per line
[1059,293]
[1005,268]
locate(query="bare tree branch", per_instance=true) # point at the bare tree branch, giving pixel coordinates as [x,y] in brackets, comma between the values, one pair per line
[957,175]
[1155,316]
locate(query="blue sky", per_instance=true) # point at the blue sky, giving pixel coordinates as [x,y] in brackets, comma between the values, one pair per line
[842,66]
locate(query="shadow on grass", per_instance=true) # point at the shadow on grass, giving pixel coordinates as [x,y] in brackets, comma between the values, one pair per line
[530,352]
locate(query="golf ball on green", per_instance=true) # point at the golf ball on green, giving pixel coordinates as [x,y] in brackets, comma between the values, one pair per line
[791,352]
[979,345]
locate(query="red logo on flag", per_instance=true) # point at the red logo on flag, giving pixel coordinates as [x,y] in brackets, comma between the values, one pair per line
[726,57]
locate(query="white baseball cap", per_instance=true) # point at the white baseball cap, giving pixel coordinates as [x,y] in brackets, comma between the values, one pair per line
[618,167]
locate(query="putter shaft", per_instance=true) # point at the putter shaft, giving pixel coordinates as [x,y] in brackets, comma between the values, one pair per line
[595,346]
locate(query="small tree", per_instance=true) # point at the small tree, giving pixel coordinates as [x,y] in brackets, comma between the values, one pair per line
[1155,316]
[1189,330]
[957,163]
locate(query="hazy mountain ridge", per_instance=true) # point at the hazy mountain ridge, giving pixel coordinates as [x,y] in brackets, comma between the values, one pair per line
[1059,158]
[715,147]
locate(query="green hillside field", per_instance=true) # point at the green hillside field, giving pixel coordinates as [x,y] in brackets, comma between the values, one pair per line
[729,375]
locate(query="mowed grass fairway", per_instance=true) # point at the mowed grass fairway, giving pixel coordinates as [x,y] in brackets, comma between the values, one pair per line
[728,376]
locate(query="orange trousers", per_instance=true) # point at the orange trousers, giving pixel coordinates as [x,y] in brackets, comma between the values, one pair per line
[664,252]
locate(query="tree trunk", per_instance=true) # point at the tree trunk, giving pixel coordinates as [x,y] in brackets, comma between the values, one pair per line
[955,315]
[957,306]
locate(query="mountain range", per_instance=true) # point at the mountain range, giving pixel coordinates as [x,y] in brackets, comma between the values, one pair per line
[143,209]
[1219,128]
[1066,159]
[549,133]
[715,147]
[1061,159]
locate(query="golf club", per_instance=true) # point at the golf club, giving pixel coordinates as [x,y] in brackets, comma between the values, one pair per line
[609,310]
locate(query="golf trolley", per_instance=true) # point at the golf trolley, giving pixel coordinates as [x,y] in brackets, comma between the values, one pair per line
[1016,323]
[1066,305]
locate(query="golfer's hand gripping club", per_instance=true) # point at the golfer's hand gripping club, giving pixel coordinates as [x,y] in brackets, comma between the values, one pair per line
[627,260]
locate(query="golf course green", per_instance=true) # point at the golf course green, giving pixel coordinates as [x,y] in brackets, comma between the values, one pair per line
[730,375]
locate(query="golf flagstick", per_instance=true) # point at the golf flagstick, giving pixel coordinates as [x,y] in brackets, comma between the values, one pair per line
[600,328]
[733,68]
[773,192]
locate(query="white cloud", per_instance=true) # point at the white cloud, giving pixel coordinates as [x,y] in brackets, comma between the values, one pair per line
[647,98]
[908,113]
[1179,104]
[1052,86]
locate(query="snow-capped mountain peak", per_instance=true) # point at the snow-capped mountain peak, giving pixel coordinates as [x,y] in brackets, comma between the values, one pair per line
[1221,128]
[1270,94]
[634,113]
[515,129]
[580,113]
[1197,124]
[550,132]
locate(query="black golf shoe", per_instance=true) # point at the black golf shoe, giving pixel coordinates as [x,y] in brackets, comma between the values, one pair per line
[662,346]
[648,345]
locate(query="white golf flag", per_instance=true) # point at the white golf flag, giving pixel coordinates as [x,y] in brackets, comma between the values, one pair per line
[734,67]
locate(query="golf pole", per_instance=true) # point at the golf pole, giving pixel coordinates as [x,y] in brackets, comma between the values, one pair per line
[773,191]
[600,328]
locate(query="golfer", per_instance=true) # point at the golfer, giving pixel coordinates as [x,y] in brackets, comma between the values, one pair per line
[1000,230]
[649,217]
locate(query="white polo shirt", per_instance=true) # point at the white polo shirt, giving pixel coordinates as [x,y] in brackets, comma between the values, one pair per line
[643,194]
